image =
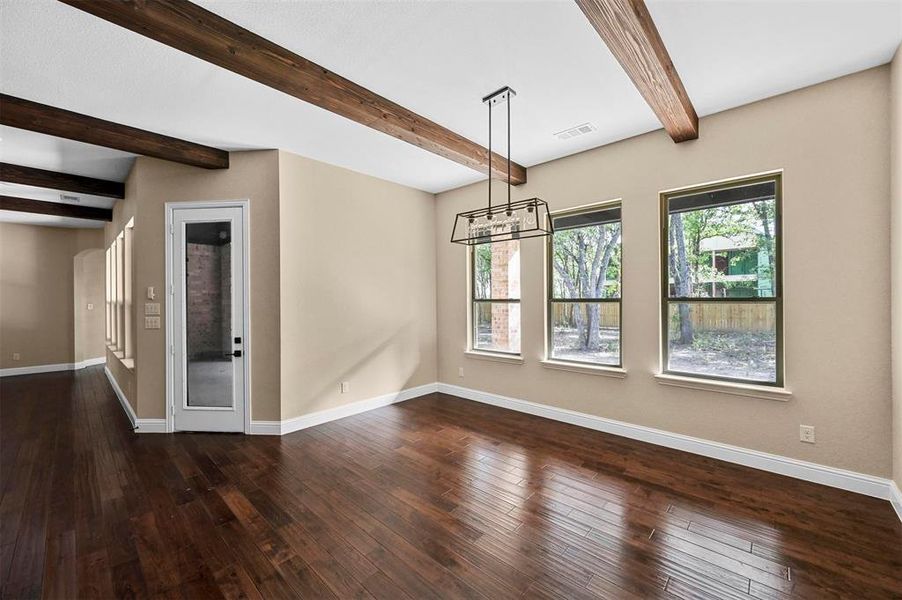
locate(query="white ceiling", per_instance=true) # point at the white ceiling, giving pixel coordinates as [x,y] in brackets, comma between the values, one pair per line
[437,58]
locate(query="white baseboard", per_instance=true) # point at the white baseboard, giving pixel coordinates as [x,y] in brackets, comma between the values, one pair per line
[830,476]
[895,498]
[90,362]
[339,412]
[139,425]
[118,390]
[12,371]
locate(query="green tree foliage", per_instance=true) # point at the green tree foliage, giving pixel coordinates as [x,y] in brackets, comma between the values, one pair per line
[586,261]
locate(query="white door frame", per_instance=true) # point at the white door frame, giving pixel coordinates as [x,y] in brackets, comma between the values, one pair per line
[168,303]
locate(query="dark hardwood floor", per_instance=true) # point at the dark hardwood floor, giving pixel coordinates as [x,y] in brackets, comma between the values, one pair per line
[437,497]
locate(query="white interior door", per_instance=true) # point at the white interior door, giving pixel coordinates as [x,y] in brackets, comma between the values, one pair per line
[207,317]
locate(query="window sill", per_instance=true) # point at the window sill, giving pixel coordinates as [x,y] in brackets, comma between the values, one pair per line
[604,371]
[512,359]
[128,363]
[726,387]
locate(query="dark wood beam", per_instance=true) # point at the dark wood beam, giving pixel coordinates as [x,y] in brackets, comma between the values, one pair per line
[205,35]
[25,114]
[61,181]
[54,208]
[628,30]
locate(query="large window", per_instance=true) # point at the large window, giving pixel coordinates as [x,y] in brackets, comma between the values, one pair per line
[584,255]
[721,281]
[119,302]
[495,301]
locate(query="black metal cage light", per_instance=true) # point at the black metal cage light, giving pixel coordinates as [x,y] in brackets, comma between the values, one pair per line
[507,221]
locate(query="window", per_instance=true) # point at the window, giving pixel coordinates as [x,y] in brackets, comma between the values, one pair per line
[128,346]
[120,292]
[119,303]
[495,295]
[109,296]
[721,282]
[584,256]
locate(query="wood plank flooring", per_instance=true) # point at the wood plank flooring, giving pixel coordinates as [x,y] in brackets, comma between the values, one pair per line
[437,497]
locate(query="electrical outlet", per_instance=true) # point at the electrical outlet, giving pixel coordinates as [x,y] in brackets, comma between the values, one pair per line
[16,356]
[460,372]
[806,434]
[344,386]
[90,306]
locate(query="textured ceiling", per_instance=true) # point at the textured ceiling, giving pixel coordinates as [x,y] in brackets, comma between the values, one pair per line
[436,58]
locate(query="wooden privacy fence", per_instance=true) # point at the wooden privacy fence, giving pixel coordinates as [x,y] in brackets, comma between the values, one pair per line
[706,316]
[720,316]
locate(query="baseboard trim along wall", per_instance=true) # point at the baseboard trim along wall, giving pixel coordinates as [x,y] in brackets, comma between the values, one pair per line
[798,469]
[139,425]
[12,371]
[339,412]
[895,497]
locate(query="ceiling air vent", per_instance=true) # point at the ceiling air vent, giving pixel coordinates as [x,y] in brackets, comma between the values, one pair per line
[575,131]
[69,198]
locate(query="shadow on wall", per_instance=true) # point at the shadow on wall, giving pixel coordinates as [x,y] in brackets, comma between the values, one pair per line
[392,357]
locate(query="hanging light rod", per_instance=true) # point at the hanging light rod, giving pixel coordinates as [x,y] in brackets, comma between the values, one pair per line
[512,220]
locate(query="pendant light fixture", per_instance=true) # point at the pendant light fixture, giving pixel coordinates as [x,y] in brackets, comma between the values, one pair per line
[505,221]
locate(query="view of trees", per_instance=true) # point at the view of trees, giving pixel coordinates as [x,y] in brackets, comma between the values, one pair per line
[693,273]
[587,266]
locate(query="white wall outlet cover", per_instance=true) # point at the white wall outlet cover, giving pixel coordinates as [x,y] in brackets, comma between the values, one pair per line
[151,322]
[16,356]
[151,308]
[460,372]
[90,306]
[344,386]
[806,434]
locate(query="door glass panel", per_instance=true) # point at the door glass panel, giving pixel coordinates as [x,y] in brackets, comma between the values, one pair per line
[208,314]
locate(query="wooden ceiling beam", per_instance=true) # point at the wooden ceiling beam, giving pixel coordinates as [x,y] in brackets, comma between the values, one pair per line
[61,181]
[25,114]
[629,32]
[55,208]
[205,35]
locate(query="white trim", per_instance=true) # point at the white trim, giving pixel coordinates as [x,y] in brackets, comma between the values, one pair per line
[139,425]
[90,362]
[244,205]
[575,367]
[839,478]
[895,498]
[339,412]
[513,359]
[151,426]
[725,387]
[32,370]
[129,412]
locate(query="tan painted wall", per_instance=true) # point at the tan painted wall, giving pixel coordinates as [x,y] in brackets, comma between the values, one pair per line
[151,184]
[896,226]
[89,273]
[832,140]
[37,319]
[357,286]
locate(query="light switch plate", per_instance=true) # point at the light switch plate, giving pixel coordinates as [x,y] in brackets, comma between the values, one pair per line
[90,306]
[151,308]
[151,322]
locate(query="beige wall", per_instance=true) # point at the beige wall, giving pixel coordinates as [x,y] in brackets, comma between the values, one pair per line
[832,141]
[150,185]
[896,200]
[37,319]
[89,273]
[357,286]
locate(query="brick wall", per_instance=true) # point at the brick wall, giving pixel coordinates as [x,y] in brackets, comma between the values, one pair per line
[506,284]
[208,269]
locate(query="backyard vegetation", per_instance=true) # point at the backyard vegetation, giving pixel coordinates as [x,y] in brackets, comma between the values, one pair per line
[721,284]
